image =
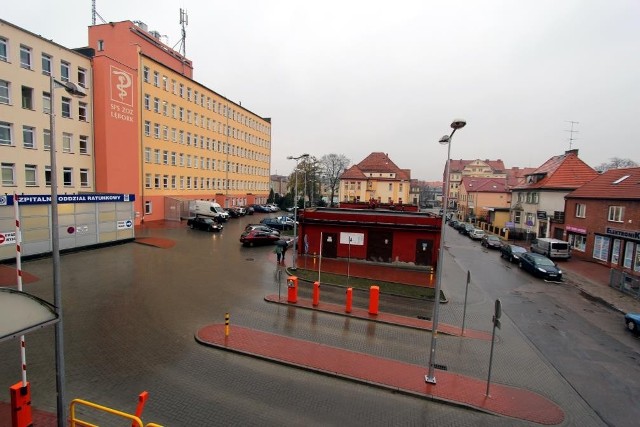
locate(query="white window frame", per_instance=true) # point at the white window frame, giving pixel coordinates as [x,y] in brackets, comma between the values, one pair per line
[65,71]
[82,77]
[26,57]
[84,177]
[616,214]
[8,174]
[83,144]
[601,248]
[581,210]
[628,254]
[7,129]
[4,49]
[83,111]
[67,176]
[5,92]
[67,142]
[31,175]
[28,137]
[65,111]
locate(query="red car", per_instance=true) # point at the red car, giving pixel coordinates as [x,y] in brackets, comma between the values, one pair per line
[258,237]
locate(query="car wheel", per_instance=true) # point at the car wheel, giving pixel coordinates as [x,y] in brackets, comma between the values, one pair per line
[191,226]
[520,264]
[631,326]
[510,258]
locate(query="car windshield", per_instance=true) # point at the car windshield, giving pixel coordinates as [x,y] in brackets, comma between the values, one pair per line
[493,238]
[518,249]
[544,261]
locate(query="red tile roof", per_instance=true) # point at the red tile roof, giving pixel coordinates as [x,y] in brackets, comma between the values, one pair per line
[566,172]
[458,165]
[485,185]
[611,184]
[516,176]
[377,162]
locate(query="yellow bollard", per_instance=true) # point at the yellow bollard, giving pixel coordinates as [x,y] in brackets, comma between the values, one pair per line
[226,325]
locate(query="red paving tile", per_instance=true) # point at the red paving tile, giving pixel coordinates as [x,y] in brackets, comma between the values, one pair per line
[8,276]
[394,375]
[383,317]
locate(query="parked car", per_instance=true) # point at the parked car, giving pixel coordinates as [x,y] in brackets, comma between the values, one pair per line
[250,210]
[541,266]
[286,220]
[258,237]
[277,224]
[261,227]
[476,234]
[233,212]
[551,248]
[204,223]
[512,252]
[261,209]
[453,223]
[467,228]
[241,210]
[490,241]
[632,322]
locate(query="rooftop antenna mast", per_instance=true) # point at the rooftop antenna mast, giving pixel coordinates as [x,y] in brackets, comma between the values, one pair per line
[184,21]
[571,138]
[95,13]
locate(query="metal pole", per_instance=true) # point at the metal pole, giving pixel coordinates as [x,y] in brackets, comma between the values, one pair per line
[466,292]
[430,377]
[55,253]
[295,222]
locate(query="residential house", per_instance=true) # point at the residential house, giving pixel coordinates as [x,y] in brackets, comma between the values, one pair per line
[602,220]
[480,196]
[470,168]
[538,204]
[376,178]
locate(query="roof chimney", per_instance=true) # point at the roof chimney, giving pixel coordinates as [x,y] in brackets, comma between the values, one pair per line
[574,151]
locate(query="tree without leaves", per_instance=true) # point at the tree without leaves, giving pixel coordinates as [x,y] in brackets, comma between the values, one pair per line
[615,163]
[332,166]
[308,173]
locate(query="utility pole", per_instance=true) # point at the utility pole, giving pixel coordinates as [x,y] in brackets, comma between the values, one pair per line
[571,138]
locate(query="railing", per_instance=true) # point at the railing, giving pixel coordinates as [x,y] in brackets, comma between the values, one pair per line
[625,282]
[75,421]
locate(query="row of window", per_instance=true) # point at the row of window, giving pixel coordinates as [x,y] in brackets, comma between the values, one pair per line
[173,158]
[205,143]
[200,120]
[356,185]
[201,99]
[616,213]
[171,182]
[28,101]
[27,62]
[31,176]
[616,251]
[29,139]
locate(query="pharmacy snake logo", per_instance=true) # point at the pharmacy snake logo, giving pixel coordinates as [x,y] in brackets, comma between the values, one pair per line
[124,82]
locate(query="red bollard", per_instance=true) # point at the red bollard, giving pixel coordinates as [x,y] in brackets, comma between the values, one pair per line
[349,300]
[316,293]
[142,399]
[374,295]
[21,405]
[292,289]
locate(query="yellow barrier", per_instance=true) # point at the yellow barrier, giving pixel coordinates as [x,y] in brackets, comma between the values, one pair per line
[77,422]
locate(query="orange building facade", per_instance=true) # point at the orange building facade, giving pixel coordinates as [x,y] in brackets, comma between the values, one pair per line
[161,135]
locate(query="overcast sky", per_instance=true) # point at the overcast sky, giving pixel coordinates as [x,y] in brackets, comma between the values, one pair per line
[353,76]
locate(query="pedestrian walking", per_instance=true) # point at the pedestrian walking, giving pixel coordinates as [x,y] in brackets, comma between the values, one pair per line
[278,251]
[285,246]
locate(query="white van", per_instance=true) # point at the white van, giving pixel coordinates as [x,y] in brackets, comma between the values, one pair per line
[552,248]
[210,209]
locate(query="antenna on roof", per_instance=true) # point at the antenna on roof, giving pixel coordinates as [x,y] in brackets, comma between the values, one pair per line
[95,13]
[184,21]
[571,138]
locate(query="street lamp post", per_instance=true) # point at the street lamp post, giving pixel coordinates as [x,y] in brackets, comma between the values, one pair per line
[295,213]
[74,90]
[430,377]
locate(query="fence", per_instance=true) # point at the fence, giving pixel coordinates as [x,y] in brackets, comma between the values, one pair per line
[625,282]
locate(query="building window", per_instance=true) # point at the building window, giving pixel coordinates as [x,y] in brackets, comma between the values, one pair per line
[156,79]
[8,174]
[46,64]
[636,263]
[145,74]
[46,102]
[25,57]
[147,128]
[84,177]
[181,91]
[156,156]
[66,142]
[390,187]
[156,105]
[628,254]
[156,181]
[82,77]
[581,210]
[165,182]
[30,175]
[5,134]
[65,68]
[615,251]
[156,130]
[148,207]
[28,137]
[4,92]
[27,98]
[3,49]
[165,157]
[601,248]
[615,213]
[147,101]
[147,155]
[66,107]
[82,111]
[47,175]
[67,177]
[578,242]
[46,139]
[83,144]
[147,180]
